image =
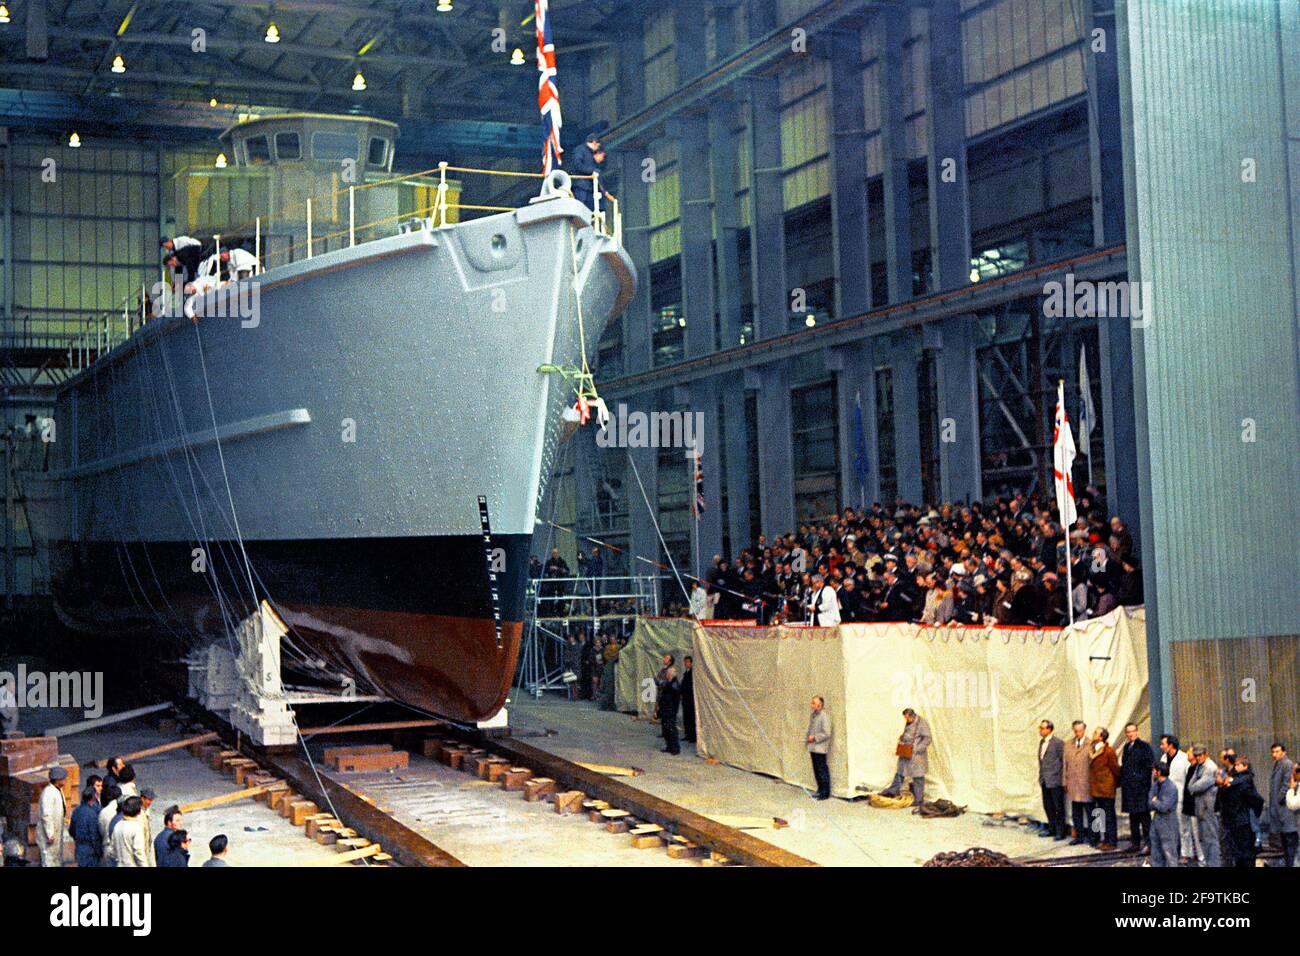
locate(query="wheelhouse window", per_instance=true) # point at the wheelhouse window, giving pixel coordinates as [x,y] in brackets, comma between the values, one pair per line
[257,150]
[288,146]
[327,147]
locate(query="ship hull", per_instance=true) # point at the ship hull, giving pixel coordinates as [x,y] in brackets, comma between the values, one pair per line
[327,454]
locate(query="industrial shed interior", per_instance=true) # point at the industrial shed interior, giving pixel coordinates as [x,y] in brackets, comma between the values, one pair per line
[697,433]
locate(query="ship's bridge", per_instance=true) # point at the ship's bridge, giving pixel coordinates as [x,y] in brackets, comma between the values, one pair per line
[313,139]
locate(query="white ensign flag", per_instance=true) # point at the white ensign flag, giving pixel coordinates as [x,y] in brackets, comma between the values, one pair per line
[1063,453]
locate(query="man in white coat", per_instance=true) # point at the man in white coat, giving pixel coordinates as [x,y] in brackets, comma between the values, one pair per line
[51,823]
[1177,765]
[129,845]
[823,605]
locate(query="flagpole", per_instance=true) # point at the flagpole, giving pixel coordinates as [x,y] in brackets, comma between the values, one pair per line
[1060,510]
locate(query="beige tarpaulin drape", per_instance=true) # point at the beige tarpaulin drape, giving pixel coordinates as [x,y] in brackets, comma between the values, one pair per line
[983,691]
[640,661]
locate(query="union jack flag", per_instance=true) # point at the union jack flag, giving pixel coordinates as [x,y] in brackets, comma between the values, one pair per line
[548,95]
[697,503]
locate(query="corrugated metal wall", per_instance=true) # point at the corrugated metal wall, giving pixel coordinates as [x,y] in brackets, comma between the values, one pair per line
[1208,205]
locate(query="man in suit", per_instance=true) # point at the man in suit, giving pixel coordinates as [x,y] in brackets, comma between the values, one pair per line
[818,742]
[670,698]
[1136,760]
[1078,782]
[1199,793]
[1051,770]
[218,846]
[1163,797]
[916,738]
[688,699]
[172,821]
[1281,821]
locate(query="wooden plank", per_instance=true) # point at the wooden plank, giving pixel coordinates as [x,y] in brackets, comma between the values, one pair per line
[749,823]
[67,730]
[349,856]
[686,851]
[226,798]
[647,841]
[161,748]
[612,770]
[368,728]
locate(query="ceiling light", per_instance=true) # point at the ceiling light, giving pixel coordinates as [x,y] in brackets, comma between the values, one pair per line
[358,82]
[4,13]
[810,321]
[74,141]
[221,161]
[119,64]
[974,275]
[272,33]
[444,6]
[213,102]
[517,58]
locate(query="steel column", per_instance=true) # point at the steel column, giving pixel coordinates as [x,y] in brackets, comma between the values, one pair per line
[851,228]
[893,140]
[945,118]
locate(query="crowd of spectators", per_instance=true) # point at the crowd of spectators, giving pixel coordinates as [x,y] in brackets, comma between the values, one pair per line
[1002,562]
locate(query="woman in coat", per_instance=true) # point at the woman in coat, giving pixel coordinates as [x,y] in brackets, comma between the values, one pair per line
[1104,783]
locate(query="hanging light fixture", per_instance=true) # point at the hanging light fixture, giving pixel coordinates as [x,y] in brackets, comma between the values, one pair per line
[4,13]
[272,33]
[74,141]
[810,321]
[213,102]
[221,161]
[119,64]
[517,58]
[358,82]
[444,6]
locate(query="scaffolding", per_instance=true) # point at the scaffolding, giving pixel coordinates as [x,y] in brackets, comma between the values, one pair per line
[586,606]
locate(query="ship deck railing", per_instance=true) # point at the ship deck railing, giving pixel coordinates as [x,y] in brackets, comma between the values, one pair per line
[99,334]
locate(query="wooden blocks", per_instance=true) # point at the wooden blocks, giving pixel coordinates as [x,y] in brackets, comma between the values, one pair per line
[647,841]
[469,762]
[317,820]
[685,850]
[570,801]
[362,763]
[484,764]
[279,797]
[300,810]
[515,778]
[453,756]
[538,788]
[620,825]
[220,756]
[27,753]
[244,770]
[333,753]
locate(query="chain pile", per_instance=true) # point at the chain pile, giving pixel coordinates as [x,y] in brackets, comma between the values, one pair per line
[975,856]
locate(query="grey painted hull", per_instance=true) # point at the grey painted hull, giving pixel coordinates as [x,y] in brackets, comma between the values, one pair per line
[327,453]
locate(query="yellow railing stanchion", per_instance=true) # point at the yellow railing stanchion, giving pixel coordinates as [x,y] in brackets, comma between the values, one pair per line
[352,216]
[309,227]
[442,194]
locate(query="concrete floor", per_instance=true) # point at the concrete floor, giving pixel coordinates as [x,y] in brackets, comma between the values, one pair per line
[833,832]
[178,778]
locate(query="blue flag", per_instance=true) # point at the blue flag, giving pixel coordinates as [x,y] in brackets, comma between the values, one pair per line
[861,463]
